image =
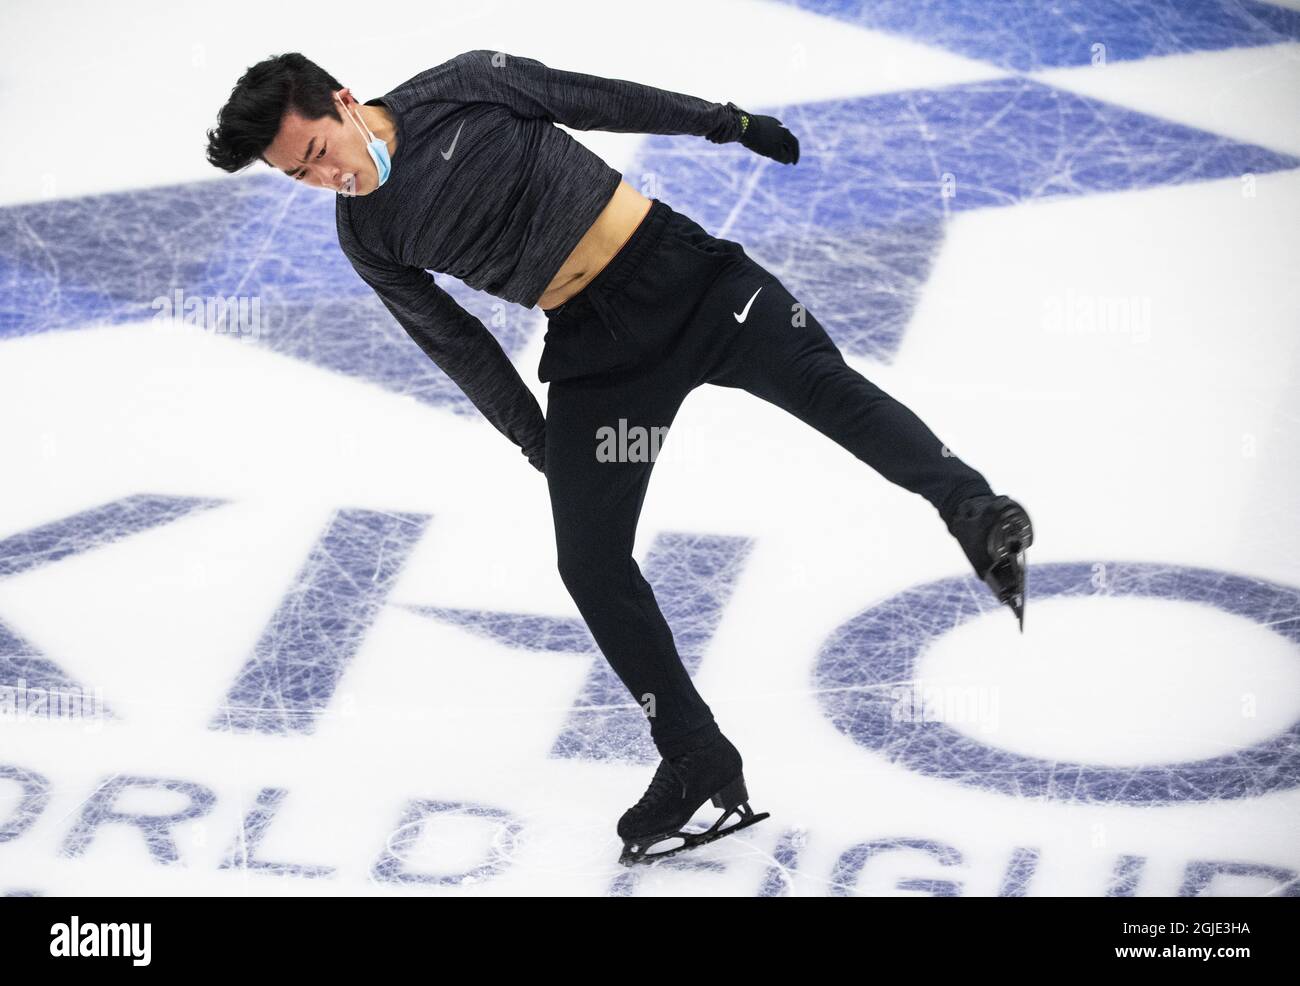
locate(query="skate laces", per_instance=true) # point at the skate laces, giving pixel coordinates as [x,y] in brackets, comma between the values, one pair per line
[665,782]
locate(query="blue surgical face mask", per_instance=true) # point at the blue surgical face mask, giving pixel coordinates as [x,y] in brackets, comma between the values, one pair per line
[378,149]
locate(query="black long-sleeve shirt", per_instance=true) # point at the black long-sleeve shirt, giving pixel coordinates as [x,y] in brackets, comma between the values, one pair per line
[483,187]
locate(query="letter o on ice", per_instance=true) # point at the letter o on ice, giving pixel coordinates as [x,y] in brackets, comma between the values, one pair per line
[865,656]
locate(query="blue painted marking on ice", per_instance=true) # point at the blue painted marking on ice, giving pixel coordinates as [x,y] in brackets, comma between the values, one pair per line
[865,657]
[101,809]
[1199,874]
[20,660]
[693,575]
[242,854]
[853,229]
[1125,876]
[393,864]
[320,624]
[848,868]
[116,258]
[33,799]
[1027,35]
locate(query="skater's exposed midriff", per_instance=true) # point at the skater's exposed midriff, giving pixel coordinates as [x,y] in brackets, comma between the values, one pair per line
[599,245]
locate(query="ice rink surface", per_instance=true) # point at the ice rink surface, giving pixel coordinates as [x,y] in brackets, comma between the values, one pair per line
[306,596]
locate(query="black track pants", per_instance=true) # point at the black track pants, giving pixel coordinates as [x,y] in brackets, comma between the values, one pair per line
[676,308]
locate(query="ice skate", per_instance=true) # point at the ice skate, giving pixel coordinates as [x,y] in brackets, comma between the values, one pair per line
[994,532]
[679,787]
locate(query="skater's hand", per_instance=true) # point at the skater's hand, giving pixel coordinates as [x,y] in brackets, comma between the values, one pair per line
[765,135]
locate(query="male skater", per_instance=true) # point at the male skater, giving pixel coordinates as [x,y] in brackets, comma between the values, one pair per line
[460,170]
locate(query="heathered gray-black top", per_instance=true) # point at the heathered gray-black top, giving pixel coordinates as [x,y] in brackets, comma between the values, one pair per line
[485,188]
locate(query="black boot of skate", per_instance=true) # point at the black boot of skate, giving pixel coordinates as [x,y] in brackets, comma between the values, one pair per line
[994,532]
[679,787]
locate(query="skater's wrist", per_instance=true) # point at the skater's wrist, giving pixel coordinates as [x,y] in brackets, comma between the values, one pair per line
[740,117]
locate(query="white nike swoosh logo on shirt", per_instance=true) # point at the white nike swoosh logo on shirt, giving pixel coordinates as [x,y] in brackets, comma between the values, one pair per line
[446,155]
[744,312]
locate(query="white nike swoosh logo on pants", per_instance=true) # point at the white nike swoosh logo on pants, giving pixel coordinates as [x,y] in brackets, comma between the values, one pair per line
[744,312]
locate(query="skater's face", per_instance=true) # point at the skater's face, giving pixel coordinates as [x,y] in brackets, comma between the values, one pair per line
[325,153]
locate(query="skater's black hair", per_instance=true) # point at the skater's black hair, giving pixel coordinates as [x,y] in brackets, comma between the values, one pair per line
[248,123]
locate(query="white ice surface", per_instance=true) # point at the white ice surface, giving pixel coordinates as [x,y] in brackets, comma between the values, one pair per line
[1175,446]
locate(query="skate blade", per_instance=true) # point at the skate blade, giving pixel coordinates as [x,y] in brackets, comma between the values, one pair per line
[637,853]
[1011,534]
[1006,580]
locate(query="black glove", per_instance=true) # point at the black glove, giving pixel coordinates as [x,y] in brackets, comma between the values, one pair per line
[765,135]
